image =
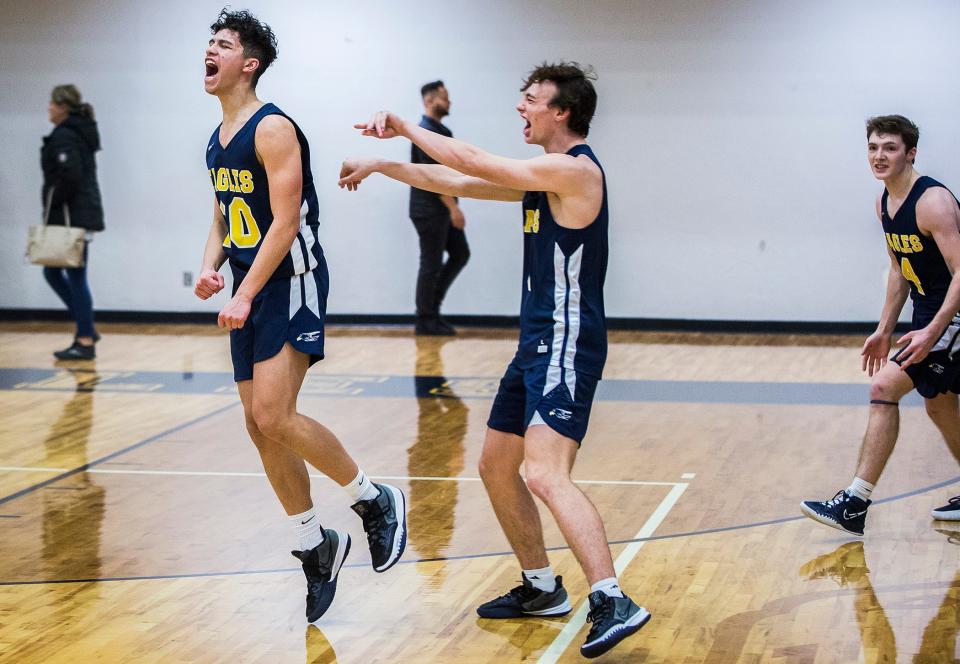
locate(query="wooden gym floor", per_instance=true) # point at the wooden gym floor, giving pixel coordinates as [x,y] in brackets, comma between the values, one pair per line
[136,524]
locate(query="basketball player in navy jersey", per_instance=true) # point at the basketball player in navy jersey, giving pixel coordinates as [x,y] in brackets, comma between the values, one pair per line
[265,220]
[921,222]
[540,413]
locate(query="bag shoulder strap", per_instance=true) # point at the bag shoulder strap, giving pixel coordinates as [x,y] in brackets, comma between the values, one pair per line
[46,211]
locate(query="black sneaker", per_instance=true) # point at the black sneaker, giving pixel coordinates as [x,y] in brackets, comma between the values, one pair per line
[612,620]
[385,522]
[949,512]
[321,566]
[526,600]
[844,512]
[433,327]
[76,352]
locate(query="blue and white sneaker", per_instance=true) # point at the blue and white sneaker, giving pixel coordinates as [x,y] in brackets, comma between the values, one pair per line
[612,620]
[321,566]
[949,512]
[844,512]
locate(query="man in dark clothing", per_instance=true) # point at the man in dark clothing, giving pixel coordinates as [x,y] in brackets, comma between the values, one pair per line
[439,223]
[71,195]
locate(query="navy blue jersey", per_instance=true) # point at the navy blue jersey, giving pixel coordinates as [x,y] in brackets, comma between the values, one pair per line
[562,319]
[240,185]
[921,262]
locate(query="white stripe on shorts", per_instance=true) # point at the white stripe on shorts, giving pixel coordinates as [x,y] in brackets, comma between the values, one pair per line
[313,298]
[296,296]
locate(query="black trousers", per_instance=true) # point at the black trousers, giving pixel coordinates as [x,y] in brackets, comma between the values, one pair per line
[436,237]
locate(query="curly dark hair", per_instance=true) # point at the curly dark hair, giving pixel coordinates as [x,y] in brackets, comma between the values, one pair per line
[256,37]
[895,125]
[575,91]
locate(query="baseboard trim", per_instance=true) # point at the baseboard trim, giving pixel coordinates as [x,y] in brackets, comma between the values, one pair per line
[636,324]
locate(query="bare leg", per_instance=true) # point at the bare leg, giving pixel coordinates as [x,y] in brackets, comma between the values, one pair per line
[890,384]
[511,499]
[286,471]
[549,459]
[945,413]
[276,383]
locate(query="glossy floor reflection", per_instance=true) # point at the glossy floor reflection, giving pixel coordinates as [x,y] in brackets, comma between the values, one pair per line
[136,523]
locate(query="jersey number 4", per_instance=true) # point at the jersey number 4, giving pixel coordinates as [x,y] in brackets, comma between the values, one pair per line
[907,271]
[243,231]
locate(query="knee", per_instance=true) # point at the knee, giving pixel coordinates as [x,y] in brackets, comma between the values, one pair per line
[489,468]
[269,420]
[544,483]
[881,390]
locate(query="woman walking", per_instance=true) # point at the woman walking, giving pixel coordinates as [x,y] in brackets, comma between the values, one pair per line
[71,193]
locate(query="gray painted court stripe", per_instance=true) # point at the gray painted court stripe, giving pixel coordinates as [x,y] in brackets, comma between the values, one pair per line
[463,387]
[112,455]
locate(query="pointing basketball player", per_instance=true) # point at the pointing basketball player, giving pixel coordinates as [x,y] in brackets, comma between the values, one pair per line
[540,413]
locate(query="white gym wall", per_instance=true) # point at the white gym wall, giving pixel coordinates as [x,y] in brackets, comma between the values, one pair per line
[731,133]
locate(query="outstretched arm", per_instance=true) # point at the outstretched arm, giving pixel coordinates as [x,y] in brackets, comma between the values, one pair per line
[430,177]
[556,173]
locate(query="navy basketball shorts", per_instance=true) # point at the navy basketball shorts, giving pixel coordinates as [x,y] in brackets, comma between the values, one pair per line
[287,309]
[939,372]
[558,397]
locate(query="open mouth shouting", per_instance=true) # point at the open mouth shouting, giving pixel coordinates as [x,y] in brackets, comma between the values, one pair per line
[211,70]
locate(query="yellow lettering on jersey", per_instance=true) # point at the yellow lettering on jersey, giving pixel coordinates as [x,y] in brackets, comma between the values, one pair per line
[905,243]
[244,232]
[532,222]
[213,178]
[246,181]
[915,244]
[223,211]
[896,243]
[223,180]
[907,271]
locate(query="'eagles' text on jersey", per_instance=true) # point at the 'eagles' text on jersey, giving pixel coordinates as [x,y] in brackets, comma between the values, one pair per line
[920,260]
[243,194]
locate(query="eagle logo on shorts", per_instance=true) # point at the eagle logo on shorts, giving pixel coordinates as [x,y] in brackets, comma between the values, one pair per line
[309,336]
[561,414]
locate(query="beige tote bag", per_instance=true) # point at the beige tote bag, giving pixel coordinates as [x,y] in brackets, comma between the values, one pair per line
[55,246]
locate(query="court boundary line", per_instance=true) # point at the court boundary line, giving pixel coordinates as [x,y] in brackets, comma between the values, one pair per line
[474,556]
[563,640]
[129,448]
[213,473]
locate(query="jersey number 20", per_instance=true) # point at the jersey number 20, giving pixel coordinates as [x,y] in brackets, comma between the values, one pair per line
[243,231]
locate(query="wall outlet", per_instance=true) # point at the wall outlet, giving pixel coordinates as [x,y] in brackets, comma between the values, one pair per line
[188,278]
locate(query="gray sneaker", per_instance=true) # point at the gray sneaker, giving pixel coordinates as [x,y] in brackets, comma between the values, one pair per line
[385,522]
[613,619]
[526,600]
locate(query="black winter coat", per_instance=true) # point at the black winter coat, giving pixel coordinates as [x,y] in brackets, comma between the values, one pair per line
[70,168]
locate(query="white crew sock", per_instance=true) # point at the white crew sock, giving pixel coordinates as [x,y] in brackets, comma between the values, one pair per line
[308,529]
[608,586]
[860,488]
[361,488]
[542,579]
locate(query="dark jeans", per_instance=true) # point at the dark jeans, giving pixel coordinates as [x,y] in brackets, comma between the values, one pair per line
[435,276]
[71,285]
